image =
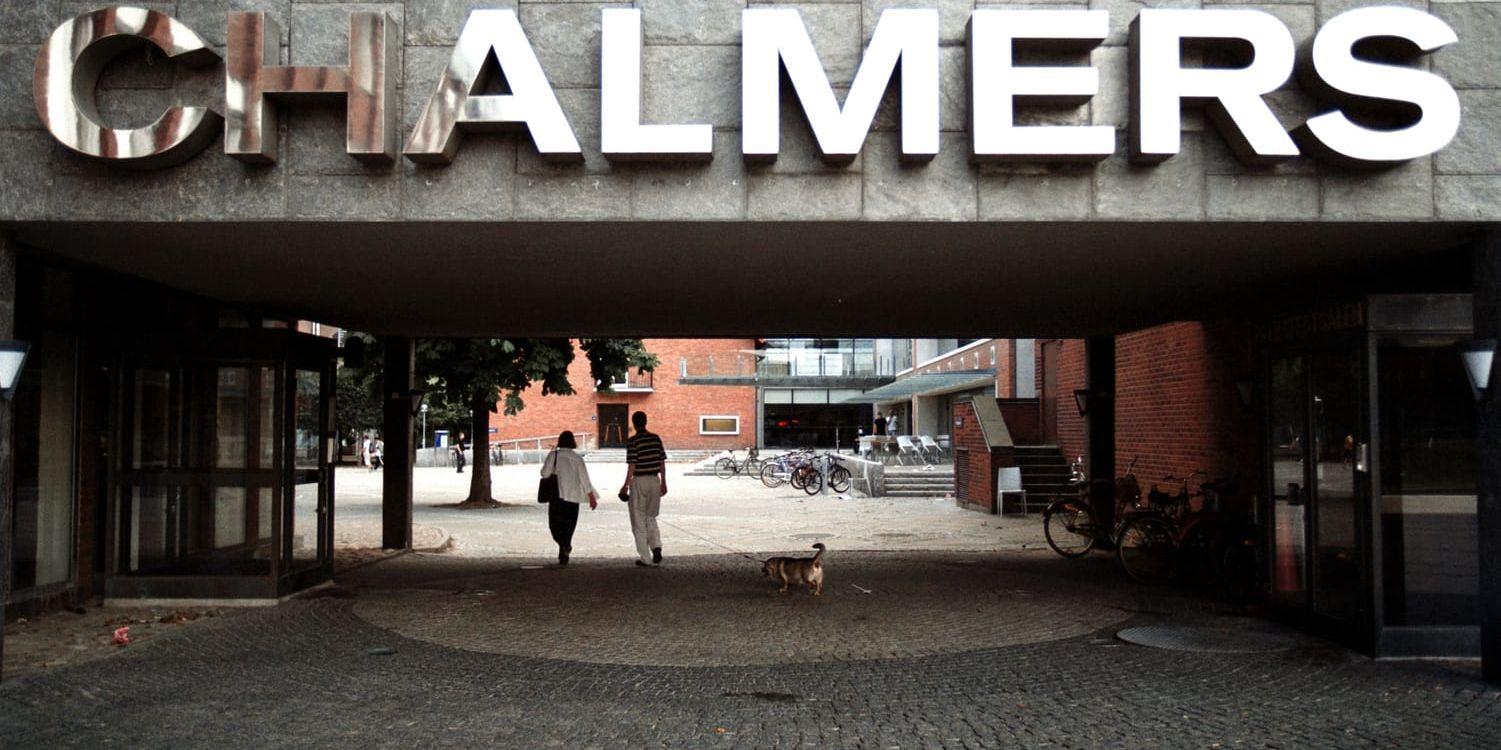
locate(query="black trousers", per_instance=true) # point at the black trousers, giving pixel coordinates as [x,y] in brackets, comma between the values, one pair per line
[562,519]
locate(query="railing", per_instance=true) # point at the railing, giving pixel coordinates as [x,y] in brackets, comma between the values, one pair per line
[633,381]
[787,363]
[547,442]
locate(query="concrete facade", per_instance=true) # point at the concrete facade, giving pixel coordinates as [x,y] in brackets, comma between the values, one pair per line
[691,72]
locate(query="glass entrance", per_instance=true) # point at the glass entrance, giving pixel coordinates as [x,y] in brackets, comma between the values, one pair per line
[1318,476]
[221,486]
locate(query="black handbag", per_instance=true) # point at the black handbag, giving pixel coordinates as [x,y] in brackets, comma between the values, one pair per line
[547,489]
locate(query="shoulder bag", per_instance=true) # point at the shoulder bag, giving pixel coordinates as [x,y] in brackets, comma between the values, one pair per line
[547,489]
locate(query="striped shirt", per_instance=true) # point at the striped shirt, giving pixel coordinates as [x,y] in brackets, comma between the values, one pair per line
[644,449]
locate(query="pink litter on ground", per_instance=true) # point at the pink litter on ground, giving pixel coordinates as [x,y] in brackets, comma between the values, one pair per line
[122,636]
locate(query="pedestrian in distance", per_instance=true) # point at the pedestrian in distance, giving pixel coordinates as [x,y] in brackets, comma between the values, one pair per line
[891,428]
[377,453]
[880,424]
[366,447]
[574,489]
[458,451]
[645,485]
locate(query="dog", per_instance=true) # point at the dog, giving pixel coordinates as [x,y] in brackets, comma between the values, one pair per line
[807,571]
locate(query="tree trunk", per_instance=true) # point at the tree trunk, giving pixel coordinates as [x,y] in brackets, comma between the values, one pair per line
[479,470]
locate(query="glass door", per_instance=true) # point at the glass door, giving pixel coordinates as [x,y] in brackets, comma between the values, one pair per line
[1318,455]
[308,539]
[1287,425]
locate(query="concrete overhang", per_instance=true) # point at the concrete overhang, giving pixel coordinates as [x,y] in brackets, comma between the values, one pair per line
[756,279]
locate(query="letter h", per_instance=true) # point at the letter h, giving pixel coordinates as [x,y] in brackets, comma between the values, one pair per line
[253,80]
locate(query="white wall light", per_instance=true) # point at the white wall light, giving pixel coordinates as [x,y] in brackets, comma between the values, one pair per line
[1478,356]
[12,359]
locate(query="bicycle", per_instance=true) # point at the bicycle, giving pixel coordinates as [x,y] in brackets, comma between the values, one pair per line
[1071,524]
[778,471]
[728,466]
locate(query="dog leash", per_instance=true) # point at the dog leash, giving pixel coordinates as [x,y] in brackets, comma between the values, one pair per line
[711,541]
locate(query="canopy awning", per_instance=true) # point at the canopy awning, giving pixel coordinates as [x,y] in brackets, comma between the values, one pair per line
[925,384]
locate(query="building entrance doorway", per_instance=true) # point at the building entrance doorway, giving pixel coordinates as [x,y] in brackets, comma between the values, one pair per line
[222,486]
[1049,396]
[613,421]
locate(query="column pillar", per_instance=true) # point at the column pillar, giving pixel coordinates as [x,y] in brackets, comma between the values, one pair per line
[1099,423]
[1488,446]
[7,442]
[396,496]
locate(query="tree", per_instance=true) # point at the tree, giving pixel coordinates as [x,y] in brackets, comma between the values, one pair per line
[484,372]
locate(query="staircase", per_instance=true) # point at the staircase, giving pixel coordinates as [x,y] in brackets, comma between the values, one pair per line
[919,482]
[1045,474]
[617,456]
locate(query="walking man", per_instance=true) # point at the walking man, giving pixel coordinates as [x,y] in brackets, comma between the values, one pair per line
[646,482]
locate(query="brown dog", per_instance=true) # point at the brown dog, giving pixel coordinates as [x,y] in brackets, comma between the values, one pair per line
[800,570]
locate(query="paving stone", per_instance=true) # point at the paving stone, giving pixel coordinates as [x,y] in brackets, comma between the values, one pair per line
[302,673]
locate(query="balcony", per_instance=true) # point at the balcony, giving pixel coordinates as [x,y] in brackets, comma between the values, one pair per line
[632,382]
[784,368]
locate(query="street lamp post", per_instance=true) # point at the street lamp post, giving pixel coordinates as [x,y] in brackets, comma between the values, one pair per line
[423,410]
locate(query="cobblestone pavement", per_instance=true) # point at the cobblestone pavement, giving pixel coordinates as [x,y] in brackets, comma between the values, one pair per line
[304,675]
[698,514]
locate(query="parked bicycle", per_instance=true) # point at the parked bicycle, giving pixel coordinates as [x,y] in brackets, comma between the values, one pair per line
[777,471]
[729,466]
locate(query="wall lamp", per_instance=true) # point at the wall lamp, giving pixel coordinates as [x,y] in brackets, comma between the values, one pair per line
[1086,398]
[1478,356]
[12,359]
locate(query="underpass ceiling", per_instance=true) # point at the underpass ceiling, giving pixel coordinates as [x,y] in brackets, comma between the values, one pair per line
[768,279]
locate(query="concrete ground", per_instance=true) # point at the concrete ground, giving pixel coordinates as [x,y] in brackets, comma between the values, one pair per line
[700,515]
[967,634]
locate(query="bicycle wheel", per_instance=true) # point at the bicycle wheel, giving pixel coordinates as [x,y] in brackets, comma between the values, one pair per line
[1069,527]
[725,468]
[1148,549]
[798,478]
[839,479]
[752,466]
[773,475]
[813,483]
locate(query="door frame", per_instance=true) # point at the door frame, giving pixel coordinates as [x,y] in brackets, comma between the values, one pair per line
[1360,633]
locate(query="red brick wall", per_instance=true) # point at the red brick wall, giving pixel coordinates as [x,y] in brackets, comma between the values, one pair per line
[981,357]
[974,482]
[1177,408]
[673,408]
[1070,379]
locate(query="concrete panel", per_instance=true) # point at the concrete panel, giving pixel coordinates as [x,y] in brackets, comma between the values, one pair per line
[222,188]
[691,84]
[1468,197]
[1034,193]
[478,187]
[1173,189]
[701,192]
[778,197]
[1262,196]
[582,197]
[438,22]
[209,17]
[1472,62]
[566,38]
[26,174]
[799,152]
[1474,149]
[1328,9]
[344,197]
[115,195]
[835,31]
[17,111]
[320,32]
[316,141]
[691,21]
[1404,192]
[27,21]
[953,16]
[940,190]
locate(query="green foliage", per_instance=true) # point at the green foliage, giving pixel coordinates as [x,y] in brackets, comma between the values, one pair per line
[487,371]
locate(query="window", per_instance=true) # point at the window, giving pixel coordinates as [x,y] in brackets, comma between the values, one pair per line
[719,425]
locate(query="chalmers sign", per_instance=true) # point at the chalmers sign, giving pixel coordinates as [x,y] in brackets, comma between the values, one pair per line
[1362,67]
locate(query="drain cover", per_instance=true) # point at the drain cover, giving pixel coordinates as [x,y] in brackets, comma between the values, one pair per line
[1206,640]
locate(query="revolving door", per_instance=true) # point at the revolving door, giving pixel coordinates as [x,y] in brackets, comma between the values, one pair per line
[221,477]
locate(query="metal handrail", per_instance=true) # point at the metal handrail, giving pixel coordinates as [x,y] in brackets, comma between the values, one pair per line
[583,439]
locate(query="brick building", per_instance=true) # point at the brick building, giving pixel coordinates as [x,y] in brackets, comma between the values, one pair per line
[687,416]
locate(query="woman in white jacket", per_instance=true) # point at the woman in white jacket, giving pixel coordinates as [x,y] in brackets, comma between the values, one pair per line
[574,488]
